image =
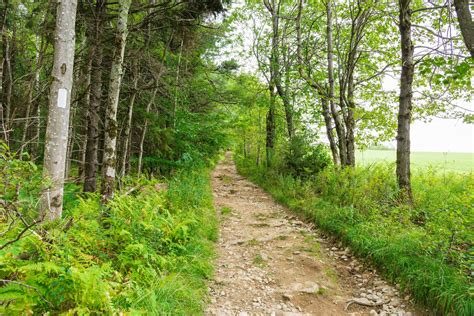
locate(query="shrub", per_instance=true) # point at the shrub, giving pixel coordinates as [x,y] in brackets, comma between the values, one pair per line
[302,159]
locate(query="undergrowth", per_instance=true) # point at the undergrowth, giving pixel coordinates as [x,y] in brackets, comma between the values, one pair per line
[426,249]
[147,252]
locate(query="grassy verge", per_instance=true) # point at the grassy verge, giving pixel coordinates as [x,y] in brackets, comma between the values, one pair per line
[148,252]
[427,250]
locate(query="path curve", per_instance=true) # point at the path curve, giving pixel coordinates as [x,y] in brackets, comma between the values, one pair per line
[271,263]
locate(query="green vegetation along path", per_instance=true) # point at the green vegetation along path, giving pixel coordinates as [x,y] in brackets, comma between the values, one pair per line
[271,263]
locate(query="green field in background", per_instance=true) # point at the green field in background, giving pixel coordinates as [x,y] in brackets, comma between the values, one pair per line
[460,162]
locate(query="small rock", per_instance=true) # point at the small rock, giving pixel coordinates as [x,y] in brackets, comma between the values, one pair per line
[395,302]
[312,289]
[362,301]
[373,297]
[373,312]
[222,293]
[287,297]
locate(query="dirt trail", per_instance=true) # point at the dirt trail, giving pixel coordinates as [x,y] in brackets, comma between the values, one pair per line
[271,263]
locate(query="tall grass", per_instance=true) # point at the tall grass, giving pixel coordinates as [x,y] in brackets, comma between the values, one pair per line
[426,249]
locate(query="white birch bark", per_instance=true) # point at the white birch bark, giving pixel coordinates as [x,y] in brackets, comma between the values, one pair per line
[110,145]
[59,107]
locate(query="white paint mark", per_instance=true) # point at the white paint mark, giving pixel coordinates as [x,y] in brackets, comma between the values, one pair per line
[62,98]
[110,172]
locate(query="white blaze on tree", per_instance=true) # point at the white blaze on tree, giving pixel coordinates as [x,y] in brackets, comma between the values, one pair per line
[59,106]
[116,72]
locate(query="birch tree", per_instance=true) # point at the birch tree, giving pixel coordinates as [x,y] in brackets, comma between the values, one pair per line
[110,144]
[59,107]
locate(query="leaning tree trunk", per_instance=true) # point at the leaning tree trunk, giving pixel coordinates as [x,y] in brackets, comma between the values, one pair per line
[145,127]
[110,143]
[405,102]
[92,145]
[59,107]
[465,23]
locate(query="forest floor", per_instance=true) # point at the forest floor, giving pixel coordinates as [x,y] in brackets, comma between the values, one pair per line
[272,263]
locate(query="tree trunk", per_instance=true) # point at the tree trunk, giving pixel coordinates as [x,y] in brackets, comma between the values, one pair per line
[271,128]
[175,104]
[85,117]
[92,145]
[350,124]
[32,85]
[405,102]
[340,131]
[3,20]
[8,82]
[59,107]
[329,131]
[465,23]
[126,136]
[257,161]
[145,126]
[110,143]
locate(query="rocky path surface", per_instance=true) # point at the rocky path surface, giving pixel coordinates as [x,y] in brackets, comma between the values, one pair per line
[271,263]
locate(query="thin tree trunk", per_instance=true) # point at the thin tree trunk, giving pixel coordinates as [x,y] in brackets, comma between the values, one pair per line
[350,124]
[126,136]
[92,145]
[3,20]
[329,130]
[85,118]
[466,23]
[257,162]
[29,103]
[175,104]
[32,85]
[405,101]
[322,91]
[110,144]
[59,106]
[8,82]
[145,126]
[270,128]
[337,120]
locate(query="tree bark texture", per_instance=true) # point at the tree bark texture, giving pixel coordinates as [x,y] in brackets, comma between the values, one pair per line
[110,143]
[95,98]
[340,131]
[405,101]
[59,107]
[465,23]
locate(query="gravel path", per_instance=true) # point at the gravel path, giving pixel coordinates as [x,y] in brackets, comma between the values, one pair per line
[271,263]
